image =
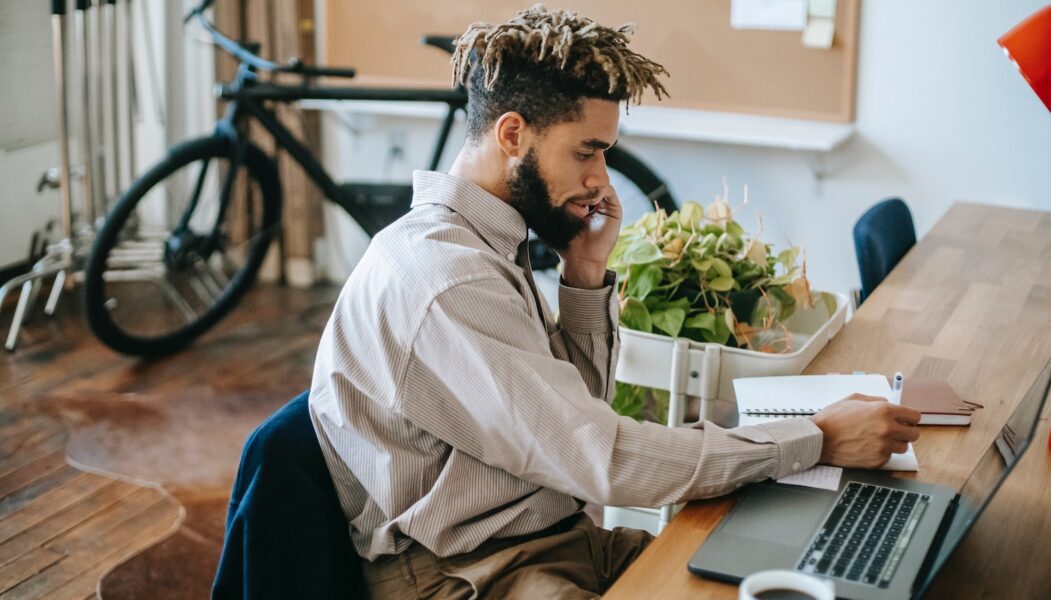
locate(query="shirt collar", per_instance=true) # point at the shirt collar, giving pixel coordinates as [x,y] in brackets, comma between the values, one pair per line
[499,223]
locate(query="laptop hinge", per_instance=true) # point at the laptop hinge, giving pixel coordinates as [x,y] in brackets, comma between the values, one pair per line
[936,543]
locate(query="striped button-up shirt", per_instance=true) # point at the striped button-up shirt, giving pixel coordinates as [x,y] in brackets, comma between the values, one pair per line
[451,406]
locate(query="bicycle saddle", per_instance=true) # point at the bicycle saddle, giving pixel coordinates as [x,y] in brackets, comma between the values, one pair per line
[443,42]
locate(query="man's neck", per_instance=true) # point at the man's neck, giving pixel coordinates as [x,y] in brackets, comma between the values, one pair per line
[473,164]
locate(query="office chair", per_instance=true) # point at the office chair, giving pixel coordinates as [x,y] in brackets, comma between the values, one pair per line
[286,535]
[882,236]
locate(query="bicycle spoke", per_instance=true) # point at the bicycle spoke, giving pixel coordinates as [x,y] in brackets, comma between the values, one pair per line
[209,281]
[179,302]
[202,291]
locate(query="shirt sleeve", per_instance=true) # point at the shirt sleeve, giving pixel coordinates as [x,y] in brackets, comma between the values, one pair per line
[481,379]
[587,324]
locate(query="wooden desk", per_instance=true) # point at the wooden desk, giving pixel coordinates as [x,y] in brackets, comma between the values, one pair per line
[971,303]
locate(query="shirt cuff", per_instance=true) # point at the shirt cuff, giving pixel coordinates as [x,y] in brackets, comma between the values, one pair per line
[798,442]
[586,310]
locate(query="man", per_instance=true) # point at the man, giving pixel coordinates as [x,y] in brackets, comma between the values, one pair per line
[463,425]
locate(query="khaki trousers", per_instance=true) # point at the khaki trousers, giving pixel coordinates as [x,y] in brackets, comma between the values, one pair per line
[573,559]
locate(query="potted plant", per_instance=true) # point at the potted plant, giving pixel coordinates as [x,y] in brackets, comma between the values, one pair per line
[697,274]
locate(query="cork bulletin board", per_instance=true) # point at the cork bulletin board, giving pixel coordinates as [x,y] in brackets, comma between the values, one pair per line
[712,65]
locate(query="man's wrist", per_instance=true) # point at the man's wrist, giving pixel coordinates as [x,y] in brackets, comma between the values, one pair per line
[588,277]
[824,457]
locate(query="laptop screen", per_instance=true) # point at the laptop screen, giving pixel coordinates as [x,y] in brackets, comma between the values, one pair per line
[992,469]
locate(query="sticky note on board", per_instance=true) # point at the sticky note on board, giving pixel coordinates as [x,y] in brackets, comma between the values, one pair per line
[819,33]
[822,8]
[784,15]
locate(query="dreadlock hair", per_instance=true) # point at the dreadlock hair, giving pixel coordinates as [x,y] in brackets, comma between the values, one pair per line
[542,63]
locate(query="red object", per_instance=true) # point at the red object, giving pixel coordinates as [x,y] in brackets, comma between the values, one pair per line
[1028,45]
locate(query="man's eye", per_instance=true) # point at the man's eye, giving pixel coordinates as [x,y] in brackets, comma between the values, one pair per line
[584,156]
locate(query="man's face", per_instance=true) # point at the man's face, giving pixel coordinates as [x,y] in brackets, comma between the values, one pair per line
[563,174]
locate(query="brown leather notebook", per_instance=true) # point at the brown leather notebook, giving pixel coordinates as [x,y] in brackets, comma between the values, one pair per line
[938,402]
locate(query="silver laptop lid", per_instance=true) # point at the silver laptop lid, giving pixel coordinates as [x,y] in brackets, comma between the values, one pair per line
[990,472]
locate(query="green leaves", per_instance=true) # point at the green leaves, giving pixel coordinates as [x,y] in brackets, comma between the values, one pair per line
[705,321]
[635,315]
[641,403]
[644,278]
[669,320]
[695,272]
[722,284]
[641,251]
[691,216]
[721,268]
[669,316]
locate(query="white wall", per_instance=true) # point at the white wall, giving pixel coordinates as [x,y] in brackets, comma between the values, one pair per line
[27,145]
[941,116]
[174,77]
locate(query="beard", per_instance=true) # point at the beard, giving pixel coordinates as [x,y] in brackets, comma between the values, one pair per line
[530,196]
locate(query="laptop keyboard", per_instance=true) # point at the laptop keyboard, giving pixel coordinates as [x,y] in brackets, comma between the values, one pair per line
[865,535]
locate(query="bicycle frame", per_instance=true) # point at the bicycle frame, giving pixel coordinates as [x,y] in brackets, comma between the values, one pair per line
[247,100]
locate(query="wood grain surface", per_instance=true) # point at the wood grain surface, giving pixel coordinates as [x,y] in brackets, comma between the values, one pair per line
[63,394]
[971,303]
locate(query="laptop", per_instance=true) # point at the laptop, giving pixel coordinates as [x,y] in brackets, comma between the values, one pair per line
[877,536]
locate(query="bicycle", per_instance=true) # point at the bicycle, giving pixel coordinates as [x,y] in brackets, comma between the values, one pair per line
[180,248]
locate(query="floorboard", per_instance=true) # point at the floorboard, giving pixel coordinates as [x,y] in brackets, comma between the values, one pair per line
[61,528]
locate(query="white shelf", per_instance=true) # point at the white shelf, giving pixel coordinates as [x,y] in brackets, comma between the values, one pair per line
[656,122]
[734,128]
[419,110]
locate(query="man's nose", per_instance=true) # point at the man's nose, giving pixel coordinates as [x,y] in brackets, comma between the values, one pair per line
[597,177]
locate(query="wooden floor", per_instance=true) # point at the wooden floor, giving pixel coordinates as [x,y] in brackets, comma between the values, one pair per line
[61,528]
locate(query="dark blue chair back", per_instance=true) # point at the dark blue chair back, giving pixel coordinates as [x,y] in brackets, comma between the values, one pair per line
[286,535]
[882,236]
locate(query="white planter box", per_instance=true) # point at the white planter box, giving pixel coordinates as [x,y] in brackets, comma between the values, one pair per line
[692,369]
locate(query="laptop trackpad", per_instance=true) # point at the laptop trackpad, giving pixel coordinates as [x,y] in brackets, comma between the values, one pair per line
[779,514]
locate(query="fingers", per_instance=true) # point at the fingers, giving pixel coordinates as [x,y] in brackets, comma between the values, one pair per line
[898,448]
[610,203]
[857,396]
[906,415]
[904,433]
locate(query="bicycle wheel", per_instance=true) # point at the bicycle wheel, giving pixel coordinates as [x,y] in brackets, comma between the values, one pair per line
[182,246]
[638,188]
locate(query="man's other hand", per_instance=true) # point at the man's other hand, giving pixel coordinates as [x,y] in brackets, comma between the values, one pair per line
[863,431]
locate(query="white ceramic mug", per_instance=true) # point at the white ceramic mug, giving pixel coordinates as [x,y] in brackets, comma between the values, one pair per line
[786,581]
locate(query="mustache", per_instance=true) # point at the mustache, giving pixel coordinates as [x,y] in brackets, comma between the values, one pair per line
[594,193]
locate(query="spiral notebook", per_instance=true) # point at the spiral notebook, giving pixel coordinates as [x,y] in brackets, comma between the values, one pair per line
[763,399]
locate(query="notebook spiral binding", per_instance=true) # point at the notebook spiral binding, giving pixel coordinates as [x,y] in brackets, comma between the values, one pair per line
[779,412]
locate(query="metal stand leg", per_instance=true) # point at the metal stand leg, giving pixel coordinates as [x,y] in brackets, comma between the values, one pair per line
[61,257]
[20,313]
[57,262]
[56,291]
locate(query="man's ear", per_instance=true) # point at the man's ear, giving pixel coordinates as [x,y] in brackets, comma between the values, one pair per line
[510,134]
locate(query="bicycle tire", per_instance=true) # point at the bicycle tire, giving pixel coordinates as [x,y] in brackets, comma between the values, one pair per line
[639,188]
[636,171]
[98,302]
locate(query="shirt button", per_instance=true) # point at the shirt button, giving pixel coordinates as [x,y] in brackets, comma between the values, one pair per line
[511,257]
[795,466]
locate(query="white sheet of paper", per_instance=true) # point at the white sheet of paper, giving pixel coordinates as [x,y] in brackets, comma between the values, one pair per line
[814,392]
[902,462]
[783,15]
[819,33]
[820,476]
[822,8]
[810,392]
